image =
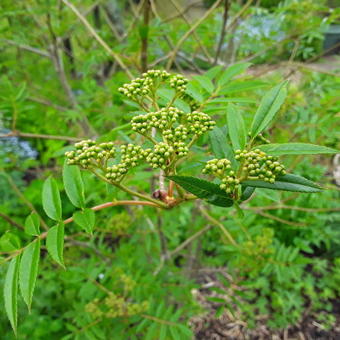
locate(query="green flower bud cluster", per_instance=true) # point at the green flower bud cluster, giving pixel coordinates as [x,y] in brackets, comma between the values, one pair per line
[258,165]
[143,86]
[199,122]
[180,133]
[162,119]
[158,157]
[221,168]
[217,167]
[89,154]
[179,83]
[118,307]
[114,306]
[131,155]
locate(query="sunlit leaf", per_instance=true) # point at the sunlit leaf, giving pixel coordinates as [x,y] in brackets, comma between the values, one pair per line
[85,219]
[32,224]
[11,292]
[55,243]
[74,185]
[51,199]
[29,270]
[269,106]
[236,127]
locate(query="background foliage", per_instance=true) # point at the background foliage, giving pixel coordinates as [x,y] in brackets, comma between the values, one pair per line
[62,63]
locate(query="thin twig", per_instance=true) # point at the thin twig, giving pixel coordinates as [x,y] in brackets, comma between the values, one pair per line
[278,219]
[194,33]
[27,48]
[190,239]
[145,36]
[223,30]
[114,55]
[188,33]
[12,222]
[292,207]
[24,199]
[217,223]
[37,135]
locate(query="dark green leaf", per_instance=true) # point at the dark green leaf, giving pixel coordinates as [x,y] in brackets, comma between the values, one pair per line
[29,270]
[247,192]
[236,128]
[74,185]
[55,243]
[231,72]
[295,149]
[85,219]
[270,104]
[287,182]
[51,199]
[209,191]
[32,224]
[11,292]
[219,145]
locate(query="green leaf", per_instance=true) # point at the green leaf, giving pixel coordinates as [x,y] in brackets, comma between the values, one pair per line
[55,243]
[205,83]
[213,72]
[74,185]
[209,191]
[270,104]
[51,199]
[231,72]
[287,182]
[246,192]
[295,149]
[193,91]
[219,145]
[9,242]
[32,224]
[29,270]
[236,128]
[231,100]
[11,292]
[85,219]
[241,86]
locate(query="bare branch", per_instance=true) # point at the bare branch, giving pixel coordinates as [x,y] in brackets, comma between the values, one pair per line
[188,33]
[35,135]
[114,55]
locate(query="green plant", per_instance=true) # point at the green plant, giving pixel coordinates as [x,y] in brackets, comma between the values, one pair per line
[171,122]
